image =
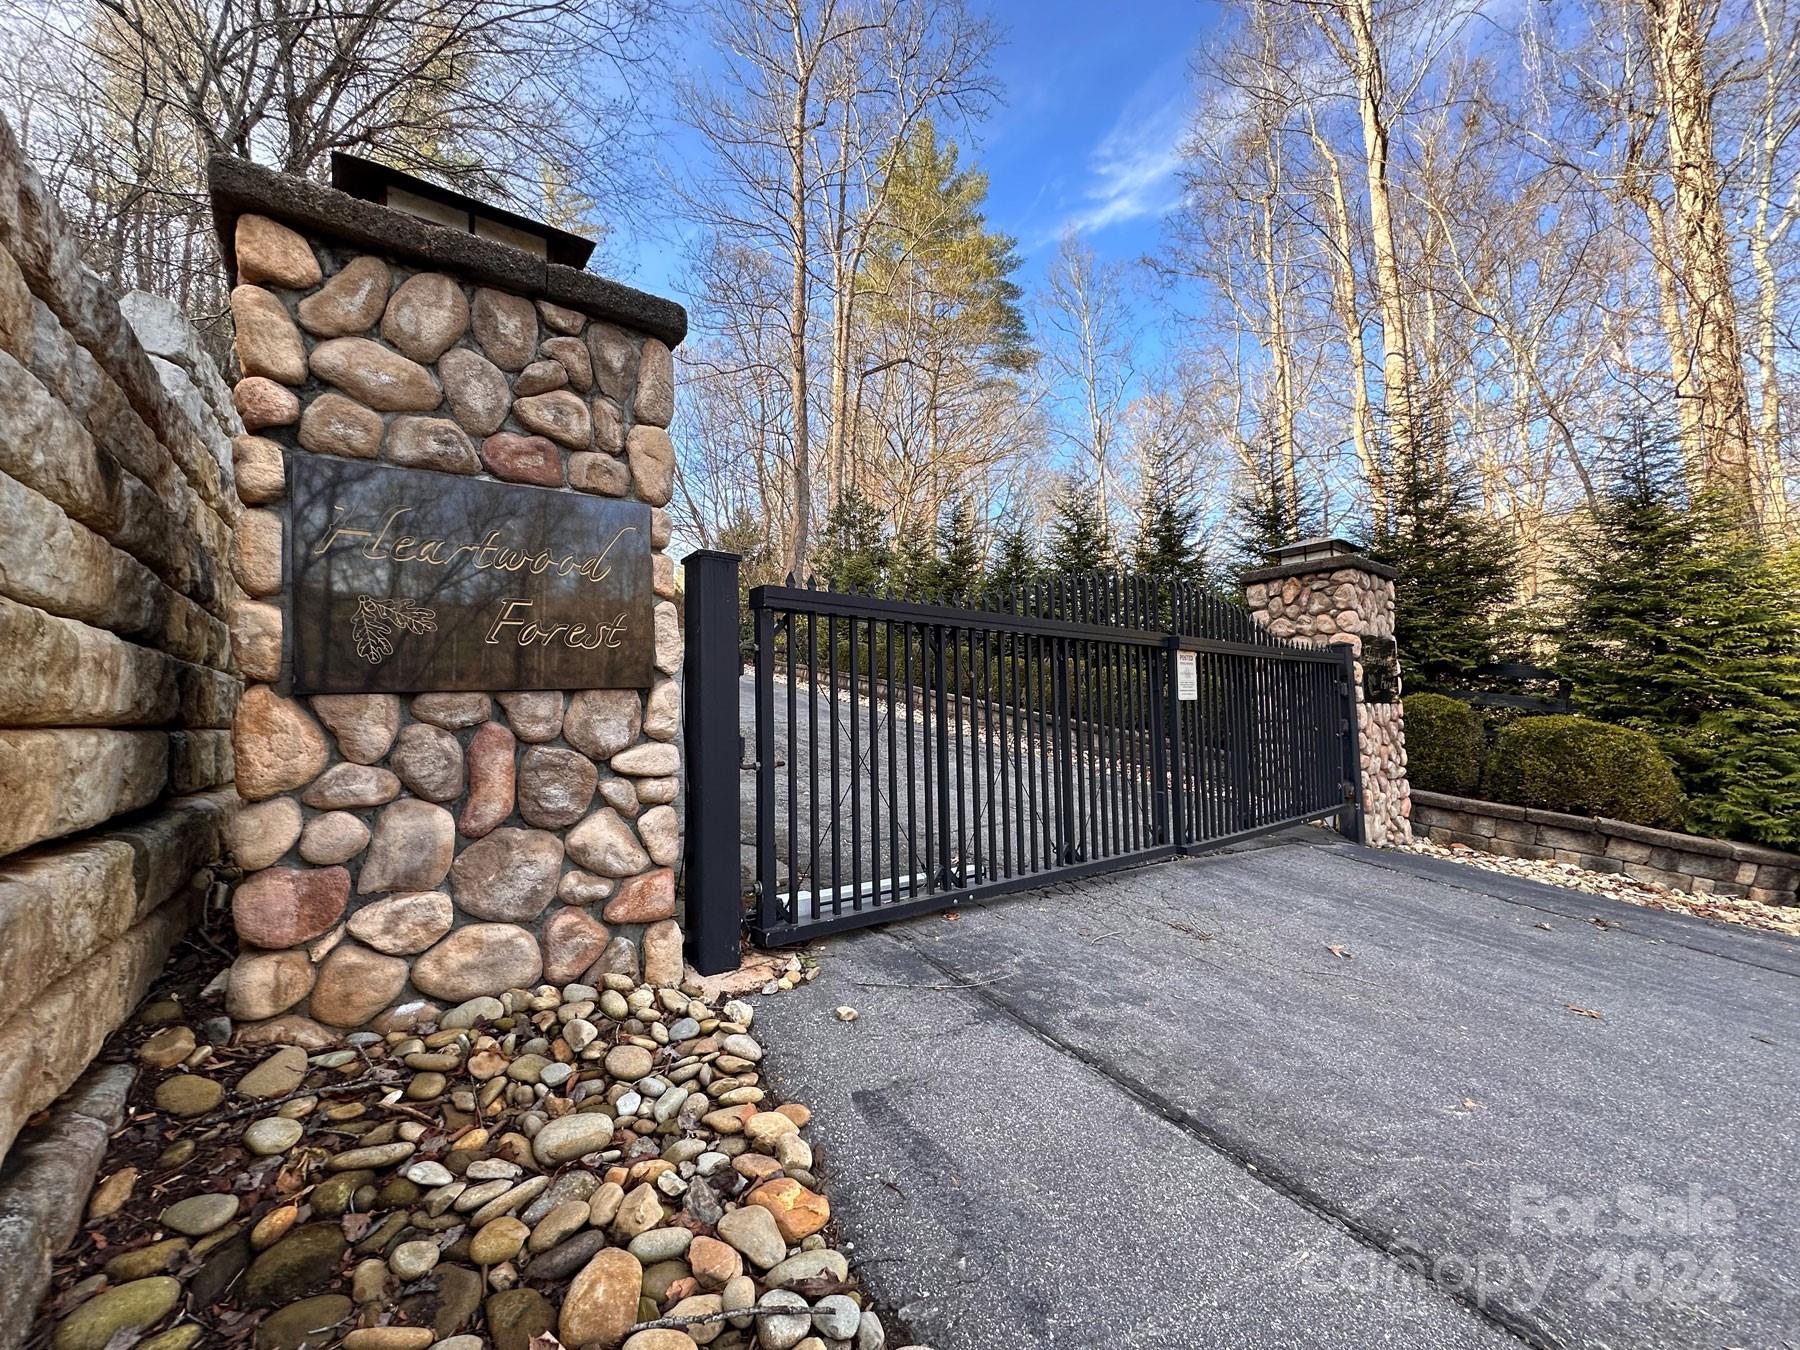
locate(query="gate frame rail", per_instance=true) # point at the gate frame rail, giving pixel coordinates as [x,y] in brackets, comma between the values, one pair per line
[716,920]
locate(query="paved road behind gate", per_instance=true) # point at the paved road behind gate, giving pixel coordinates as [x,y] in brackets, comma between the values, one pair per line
[1158,1109]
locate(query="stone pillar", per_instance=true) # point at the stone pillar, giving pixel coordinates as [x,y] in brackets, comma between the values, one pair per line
[1324,591]
[406,852]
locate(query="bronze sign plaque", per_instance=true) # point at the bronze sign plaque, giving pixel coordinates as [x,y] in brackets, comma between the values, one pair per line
[401,581]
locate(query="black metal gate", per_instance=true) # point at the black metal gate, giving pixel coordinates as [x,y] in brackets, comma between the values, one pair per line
[910,756]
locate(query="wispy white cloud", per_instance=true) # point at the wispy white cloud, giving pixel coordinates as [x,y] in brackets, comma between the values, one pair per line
[1132,169]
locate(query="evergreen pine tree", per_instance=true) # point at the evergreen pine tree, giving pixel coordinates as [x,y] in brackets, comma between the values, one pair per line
[854,552]
[1080,541]
[1684,624]
[959,557]
[1262,518]
[1457,569]
[1166,549]
[1015,556]
[914,572]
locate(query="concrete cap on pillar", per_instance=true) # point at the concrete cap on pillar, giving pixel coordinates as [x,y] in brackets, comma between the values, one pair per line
[1305,556]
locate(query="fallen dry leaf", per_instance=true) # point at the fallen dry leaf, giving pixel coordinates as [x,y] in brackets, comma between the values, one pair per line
[1339,951]
[951,916]
[1584,1012]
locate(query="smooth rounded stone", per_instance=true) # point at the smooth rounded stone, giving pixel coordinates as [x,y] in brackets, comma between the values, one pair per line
[738,1294]
[262,403]
[660,830]
[199,1215]
[602,722]
[683,1029]
[794,1153]
[540,377]
[599,473]
[535,716]
[651,759]
[556,785]
[350,302]
[277,1134]
[870,1334]
[559,415]
[604,843]
[662,710]
[573,941]
[782,1330]
[364,725]
[429,1174]
[128,1309]
[798,1211]
[482,958]
[491,777]
[476,390]
[259,835]
[276,745]
[579,887]
[295,1266]
[570,1137]
[425,315]
[142,1262]
[615,360]
[431,443]
[509,1200]
[265,984]
[286,906]
[480,1009]
[500,1241]
[188,1094]
[453,711]
[823,1264]
[744,1047]
[267,341]
[335,837]
[568,1186]
[168,1047]
[510,875]
[555,1075]
[567,1256]
[351,785]
[517,1317]
[270,252]
[657,791]
[412,848]
[355,983]
[493,1169]
[372,1155]
[429,760]
[405,923]
[374,375]
[459,1343]
[255,554]
[660,1338]
[651,455]
[427,1085]
[389,1338]
[661,1244]
[334,425]
[601,1301]
[661,945]
[645,898]
[628,1063]
[619,960]
[562,1222]
[621,795]
[505,326]
[753,1232]
[310,1324]
[579,1033]
[654,403]
[571,354]
[836,1317]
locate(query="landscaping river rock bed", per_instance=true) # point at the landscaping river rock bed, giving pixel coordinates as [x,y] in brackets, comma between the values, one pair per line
[591,1165]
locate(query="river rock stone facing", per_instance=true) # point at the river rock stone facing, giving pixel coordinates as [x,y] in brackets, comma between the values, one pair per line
[459,845]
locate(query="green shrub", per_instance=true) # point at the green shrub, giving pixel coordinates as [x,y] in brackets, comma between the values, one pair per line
[1586,768]
[1444,744]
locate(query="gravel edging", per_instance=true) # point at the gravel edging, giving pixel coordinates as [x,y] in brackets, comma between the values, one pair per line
[44,1189]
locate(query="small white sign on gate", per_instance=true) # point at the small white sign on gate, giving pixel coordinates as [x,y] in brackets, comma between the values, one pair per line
[1187,676]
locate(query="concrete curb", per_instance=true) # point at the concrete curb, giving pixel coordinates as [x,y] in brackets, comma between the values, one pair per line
[44,1189]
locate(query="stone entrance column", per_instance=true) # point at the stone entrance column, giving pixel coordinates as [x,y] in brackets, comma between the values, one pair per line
[1324,591]
[407,850]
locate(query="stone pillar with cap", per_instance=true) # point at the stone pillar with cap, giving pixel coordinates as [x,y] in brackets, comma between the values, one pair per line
[1324,591]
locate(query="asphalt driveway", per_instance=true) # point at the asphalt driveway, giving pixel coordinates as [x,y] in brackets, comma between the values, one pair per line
[1311,1095]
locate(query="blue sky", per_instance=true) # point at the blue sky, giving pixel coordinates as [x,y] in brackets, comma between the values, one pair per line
[1085,137]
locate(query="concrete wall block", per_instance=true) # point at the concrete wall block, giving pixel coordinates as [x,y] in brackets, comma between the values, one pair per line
[49,1043]
[62,902]
[57,782]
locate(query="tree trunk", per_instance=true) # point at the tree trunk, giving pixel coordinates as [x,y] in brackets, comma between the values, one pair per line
[1678,31]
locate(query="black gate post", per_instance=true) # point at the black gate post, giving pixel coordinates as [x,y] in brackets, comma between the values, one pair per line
[709,714]
[1165,723]
[1350,818]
